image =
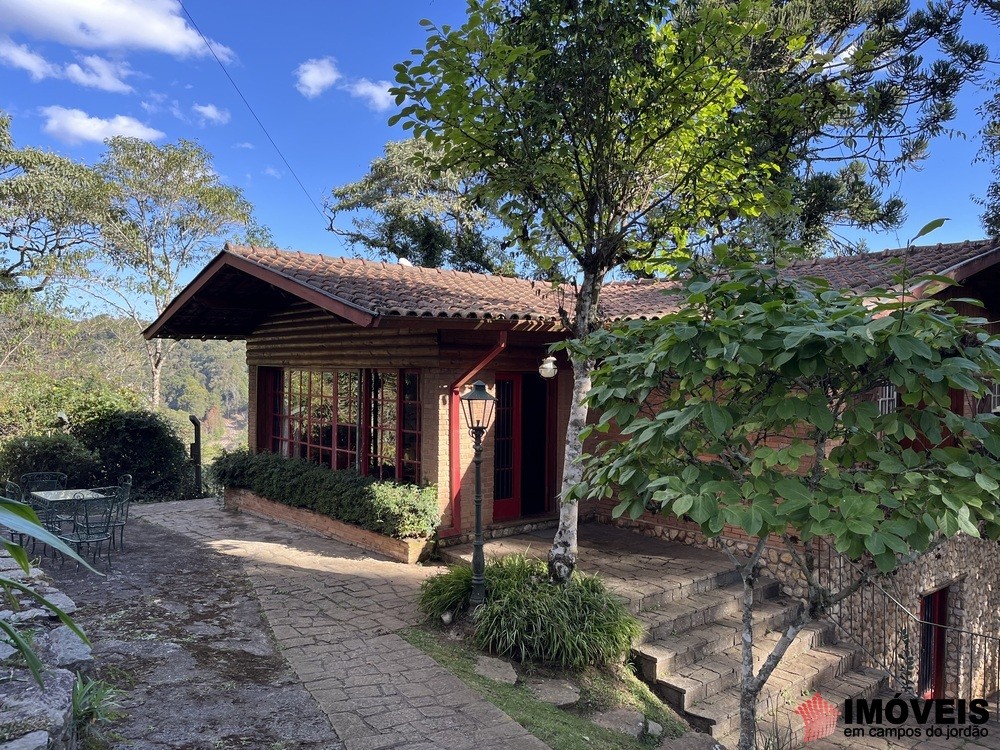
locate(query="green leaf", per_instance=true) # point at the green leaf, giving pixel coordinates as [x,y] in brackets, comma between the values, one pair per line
[987,482]
[791,489]
[819,512]
[716,418]
[886,562]
[683,504]
[14,517]
[63,617]
[927,228]
[35,666]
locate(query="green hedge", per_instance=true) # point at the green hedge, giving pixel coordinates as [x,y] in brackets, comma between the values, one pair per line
[97,451]
[56,452]
[403,511]
[141,443]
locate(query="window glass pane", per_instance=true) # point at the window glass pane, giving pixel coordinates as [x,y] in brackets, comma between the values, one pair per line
[348,387]
[318,415]
[384,408]
[411,387]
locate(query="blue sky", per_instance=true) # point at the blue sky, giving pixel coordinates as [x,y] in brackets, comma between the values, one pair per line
[73,72]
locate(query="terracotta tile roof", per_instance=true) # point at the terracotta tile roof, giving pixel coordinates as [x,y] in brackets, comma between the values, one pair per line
[392,289]
[871,270]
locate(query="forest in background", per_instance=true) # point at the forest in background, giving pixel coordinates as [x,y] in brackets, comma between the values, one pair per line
[54,359]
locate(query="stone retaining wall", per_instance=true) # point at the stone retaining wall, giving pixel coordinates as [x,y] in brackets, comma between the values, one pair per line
[969,567]
[34,717]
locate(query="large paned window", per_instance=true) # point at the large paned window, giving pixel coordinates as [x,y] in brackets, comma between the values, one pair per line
[367,420]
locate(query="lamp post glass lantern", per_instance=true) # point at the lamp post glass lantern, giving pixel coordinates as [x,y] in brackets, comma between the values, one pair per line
[477,406]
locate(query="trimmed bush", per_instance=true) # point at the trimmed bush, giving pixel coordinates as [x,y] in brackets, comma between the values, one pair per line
[58,452]
[143,444]
[402,511]
[30,401]
[525,617]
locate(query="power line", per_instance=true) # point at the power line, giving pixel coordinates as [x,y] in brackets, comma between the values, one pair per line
[251,110]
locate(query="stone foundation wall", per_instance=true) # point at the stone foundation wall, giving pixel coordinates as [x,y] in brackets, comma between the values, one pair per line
[34,717]
[969,567]
[970,570]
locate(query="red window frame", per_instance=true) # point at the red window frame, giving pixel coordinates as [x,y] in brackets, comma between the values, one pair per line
[368,420]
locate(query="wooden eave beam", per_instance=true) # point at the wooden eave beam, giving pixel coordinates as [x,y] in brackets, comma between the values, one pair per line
[329,302]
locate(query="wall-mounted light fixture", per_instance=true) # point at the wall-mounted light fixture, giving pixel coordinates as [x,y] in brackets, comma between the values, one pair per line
[548,368]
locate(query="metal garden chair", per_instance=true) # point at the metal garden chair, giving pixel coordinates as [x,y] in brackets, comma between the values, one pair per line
[119,495]
[92,519]
[39,481]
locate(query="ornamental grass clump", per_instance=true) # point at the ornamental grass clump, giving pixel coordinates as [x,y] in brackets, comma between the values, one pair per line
[525,617]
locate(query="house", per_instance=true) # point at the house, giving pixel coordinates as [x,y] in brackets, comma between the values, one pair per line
[360,364]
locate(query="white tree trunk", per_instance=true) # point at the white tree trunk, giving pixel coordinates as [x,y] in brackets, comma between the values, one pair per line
[156,370]
[562,556]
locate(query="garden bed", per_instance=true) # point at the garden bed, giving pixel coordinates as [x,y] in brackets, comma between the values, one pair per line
[409,551]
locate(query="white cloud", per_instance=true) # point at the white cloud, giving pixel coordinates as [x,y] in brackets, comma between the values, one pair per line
[176,111]
[245,144]
[376,93]
[98,73]
[19,56]
[109,24]
[92,71]
[209,113]
[315,76]
[76,126]
[272,172]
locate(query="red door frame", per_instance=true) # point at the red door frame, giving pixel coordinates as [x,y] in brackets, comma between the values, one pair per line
[509,508]
[934,613]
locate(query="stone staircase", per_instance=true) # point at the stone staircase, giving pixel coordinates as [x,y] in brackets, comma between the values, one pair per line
[691,652]
[690,599]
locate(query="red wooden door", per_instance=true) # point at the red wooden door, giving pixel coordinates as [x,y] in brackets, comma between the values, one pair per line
[507,449]
[934,613]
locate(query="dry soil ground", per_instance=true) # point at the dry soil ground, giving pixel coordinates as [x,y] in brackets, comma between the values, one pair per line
[177,629]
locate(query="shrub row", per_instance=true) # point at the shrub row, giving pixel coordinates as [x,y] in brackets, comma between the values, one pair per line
[403,511]
[100,449]
[525,617]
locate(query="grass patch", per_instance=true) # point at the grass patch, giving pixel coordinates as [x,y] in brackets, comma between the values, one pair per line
[618,687]
[559,729]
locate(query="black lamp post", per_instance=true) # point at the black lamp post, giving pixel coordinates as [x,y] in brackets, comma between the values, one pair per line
[477,405]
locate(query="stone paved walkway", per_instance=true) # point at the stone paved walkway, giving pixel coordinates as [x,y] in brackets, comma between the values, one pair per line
[336,610]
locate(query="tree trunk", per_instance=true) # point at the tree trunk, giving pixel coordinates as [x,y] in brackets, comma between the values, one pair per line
[562,556]
[156,370]
[749,687]
[751,684]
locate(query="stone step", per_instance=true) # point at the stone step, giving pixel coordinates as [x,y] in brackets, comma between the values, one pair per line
[647,597]
[660,657]
[711,675]
[703,608]
[793,678]
[788,730]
